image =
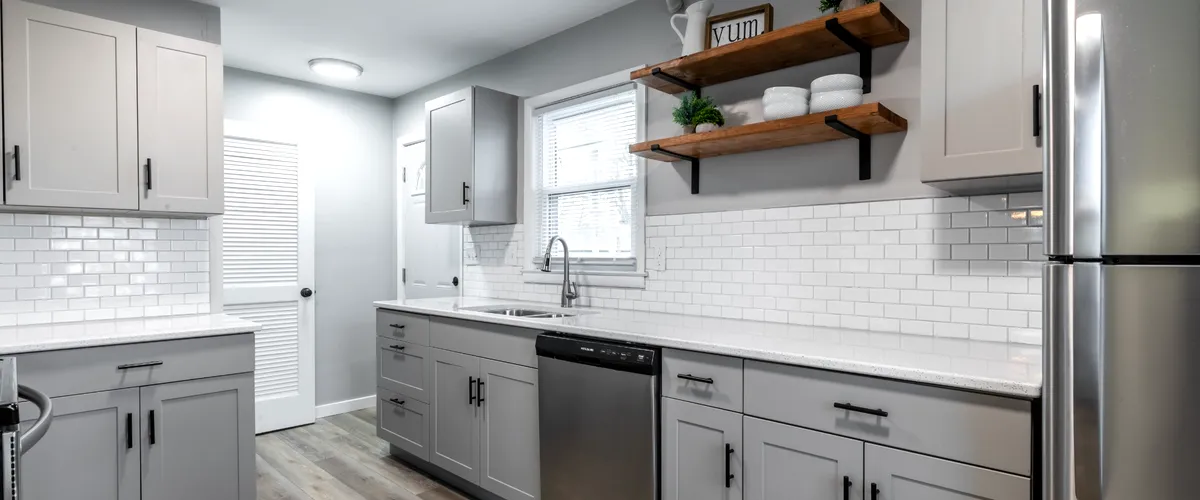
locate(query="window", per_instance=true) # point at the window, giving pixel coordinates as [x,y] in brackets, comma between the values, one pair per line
[584,184]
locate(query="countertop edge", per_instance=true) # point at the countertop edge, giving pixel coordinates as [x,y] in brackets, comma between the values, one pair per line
[237,326]
[999,387]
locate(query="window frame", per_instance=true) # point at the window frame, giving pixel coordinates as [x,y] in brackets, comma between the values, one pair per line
[532,222]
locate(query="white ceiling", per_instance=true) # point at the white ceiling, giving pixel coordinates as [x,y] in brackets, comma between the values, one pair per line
[402,44]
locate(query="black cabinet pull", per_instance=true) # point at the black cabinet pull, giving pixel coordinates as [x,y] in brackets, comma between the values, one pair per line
[16,162]
[128,431]
[874,491]
[694,378]
[396,347]
[859,409]
[397,402]
[152,440]
[728,473]
[1037,110]
[149,183]
[846,484]
[465,188]
[146,364]
[471,390]
[395,325]
[479,391]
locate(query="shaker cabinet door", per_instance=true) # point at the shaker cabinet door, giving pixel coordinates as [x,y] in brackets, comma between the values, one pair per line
[70,109]
[509,465]
[784,462]
[450,157]
[899,475]
[701,450]
[977,89]
[180,123]
[198,439]
[91,451]
[454,426]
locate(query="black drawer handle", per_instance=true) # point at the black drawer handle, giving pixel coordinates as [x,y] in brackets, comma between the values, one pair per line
[846,484]
[693,378]
[128,431]
[146,364]
[397,325]
[728,457]
[859,409]
[397,402]
[396,347]
[874,491]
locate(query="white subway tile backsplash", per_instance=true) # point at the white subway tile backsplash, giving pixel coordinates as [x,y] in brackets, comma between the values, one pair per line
[61,268]
[949,267]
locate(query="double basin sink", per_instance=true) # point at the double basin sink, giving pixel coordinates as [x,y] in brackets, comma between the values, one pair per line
[523,312]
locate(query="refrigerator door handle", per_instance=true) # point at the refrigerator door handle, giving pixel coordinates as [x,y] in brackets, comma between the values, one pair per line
[1058,31]
[1072,363]
[1088,148]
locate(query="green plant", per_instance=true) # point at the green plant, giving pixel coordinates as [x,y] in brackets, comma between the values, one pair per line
[835,5]
[694,110]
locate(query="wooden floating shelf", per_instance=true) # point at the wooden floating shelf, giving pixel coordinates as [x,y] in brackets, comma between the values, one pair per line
[858,122]
[855,30]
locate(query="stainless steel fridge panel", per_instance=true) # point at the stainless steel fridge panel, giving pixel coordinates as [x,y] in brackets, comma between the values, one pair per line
[1150,391]
[1058,93]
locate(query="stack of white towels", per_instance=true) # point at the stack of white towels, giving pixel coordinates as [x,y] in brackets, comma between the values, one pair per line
[828,93]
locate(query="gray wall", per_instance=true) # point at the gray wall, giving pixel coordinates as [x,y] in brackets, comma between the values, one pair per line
[177,17]
[348,136]
[639,34]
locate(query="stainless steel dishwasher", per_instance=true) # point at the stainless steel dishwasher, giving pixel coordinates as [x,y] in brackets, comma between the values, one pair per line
[598,411]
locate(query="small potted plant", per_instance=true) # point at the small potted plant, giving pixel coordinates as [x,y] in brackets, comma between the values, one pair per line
[697,113]
[838,5]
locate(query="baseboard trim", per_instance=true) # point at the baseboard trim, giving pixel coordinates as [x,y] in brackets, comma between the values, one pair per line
[347,406]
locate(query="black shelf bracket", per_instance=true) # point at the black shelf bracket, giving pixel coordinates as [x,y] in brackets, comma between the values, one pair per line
[695,165]
[666,77]
[864,145]
[856,43]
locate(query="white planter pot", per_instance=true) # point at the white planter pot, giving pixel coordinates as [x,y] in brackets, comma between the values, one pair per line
[707,127]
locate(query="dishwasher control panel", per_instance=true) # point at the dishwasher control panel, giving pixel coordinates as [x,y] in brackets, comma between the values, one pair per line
[607,354]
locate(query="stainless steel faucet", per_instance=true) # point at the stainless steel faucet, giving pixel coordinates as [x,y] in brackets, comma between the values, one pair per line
[569,292]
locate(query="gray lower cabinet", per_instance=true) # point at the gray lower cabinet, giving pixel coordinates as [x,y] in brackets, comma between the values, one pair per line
[510,465]
[454,426]
[899,475]
[783,462]
[701,452]
[200,439]
[91,450]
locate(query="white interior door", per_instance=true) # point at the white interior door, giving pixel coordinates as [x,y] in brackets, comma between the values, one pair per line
[432,261]
[267,260]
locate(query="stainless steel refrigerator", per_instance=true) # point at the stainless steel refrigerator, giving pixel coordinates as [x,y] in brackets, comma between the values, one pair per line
[1122,289]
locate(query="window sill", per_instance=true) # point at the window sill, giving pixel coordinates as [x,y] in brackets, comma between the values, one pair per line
[608,279]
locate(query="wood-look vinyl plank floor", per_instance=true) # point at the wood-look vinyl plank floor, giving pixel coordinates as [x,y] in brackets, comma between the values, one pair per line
[339,458]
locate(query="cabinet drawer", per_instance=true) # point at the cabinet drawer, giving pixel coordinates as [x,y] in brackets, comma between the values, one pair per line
[408,327]
[707,379]
[402,367]
[974,428]
[94,369]
[403,421]
[485,340]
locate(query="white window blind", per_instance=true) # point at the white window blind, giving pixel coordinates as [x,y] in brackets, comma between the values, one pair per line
[586,180]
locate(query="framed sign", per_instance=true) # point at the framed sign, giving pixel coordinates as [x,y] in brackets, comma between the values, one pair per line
[739,25]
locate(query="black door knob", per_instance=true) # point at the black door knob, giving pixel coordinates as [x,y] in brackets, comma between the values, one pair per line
[454,281]
[306,292]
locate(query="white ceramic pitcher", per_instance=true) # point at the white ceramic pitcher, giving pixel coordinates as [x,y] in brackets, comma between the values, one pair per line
[697,19]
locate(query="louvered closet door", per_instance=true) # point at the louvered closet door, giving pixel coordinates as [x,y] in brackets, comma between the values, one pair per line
[267,259]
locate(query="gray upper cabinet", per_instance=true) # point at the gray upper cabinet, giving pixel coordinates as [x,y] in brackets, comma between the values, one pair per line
[899,475]
[199,439]
[180,123]
[471,158]
[791,463]
[91,450]
[701,448]
[977,93]
[454,427]
[70,109]
[509,464]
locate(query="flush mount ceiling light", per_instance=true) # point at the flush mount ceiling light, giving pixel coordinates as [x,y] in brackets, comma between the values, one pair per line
[335,68]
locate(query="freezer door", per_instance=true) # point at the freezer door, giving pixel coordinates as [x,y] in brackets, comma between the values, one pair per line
[1122,155]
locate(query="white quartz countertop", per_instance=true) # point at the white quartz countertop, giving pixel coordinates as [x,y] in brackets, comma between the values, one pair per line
[1003,368]
[34,338]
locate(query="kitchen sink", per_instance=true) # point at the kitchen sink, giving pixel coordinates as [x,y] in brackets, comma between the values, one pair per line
[526,313]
